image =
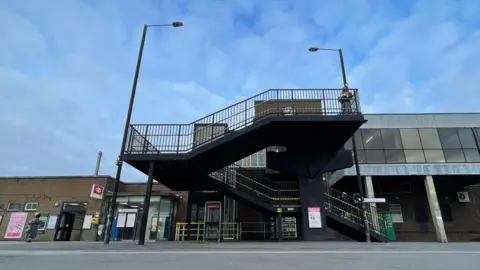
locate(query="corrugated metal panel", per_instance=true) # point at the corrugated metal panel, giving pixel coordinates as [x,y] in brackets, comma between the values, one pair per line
[422,120]
[408,169]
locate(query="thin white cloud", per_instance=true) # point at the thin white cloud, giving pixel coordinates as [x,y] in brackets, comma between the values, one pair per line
[66,66]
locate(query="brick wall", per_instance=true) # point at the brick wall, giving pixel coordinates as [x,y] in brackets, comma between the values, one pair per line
[50,193]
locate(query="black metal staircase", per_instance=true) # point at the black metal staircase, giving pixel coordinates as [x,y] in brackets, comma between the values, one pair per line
[199,155]
[274,117]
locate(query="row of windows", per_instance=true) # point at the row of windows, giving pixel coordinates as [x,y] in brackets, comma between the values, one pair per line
[413,138]
[418,156]
[258,159]
[16,207]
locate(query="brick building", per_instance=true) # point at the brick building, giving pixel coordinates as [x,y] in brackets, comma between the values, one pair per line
[70,208]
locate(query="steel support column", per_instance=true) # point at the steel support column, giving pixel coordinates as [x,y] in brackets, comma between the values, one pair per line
[146,205]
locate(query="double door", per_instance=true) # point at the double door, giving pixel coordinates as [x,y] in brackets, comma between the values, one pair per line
[69,226]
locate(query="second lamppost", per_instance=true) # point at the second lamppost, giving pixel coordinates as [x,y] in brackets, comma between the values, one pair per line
[113,202]
[354,144]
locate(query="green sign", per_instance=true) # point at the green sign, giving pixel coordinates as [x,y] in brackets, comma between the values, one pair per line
[390,230]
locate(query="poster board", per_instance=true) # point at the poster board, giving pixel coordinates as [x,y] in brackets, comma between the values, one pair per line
[52,222]
[131,217]
[16,225]
[87,222]
[314,217]
[122,218]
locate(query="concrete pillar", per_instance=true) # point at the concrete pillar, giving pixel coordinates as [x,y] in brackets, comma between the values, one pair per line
[370,193]
[435,209]
[369,187]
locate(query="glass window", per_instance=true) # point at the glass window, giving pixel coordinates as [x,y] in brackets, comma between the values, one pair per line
[361,156]
[31,206]
[434,156]
[391,138]
[15,207]
[410,138]
[467,138]
[430,139]
[375,156]
[414,156]
[449,138]
[254,160]
[396,211]
[262,162]
[358,140]
[472,155]
[395,156]
[454,155]
[372,139]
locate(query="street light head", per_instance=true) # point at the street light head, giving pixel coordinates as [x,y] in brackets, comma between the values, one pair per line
[177,24]
[313,49]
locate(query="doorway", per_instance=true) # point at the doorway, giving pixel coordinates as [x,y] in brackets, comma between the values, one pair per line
[70,222]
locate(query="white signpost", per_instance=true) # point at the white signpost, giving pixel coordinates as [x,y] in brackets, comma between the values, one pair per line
[374,200]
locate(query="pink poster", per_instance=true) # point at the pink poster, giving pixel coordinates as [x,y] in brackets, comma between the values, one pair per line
[16,225]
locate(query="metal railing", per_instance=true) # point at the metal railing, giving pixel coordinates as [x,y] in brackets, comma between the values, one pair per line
[347,207]
[265,189]
[230,231]
[183,138]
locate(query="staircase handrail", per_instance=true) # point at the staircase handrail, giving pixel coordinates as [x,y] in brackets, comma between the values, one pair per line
[177,138]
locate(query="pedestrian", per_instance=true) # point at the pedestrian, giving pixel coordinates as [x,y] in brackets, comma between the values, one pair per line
[345,100]
[32,229]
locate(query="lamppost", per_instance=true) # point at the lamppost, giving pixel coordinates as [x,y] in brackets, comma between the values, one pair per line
[111,209]
[354,144]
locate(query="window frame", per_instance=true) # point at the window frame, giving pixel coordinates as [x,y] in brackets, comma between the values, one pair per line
[19,209]
[30,209]
[450,139]
[418,136]
[395,132]
[392,207]
[428,140]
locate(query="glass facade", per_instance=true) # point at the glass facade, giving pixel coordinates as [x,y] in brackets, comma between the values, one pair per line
[417,145]
[128,215]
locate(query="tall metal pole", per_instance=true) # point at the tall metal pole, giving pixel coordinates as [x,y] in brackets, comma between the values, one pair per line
[124,140]
[355,158]
[97,166]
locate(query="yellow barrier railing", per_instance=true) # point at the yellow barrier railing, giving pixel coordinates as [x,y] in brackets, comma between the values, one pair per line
[230,231]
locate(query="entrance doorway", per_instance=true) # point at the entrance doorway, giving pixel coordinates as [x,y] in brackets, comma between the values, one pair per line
[70,222]
[125,224]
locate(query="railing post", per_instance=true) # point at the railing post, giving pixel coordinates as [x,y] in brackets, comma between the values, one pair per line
[145,143]
[357,102]
[179,135]
[246,112]
[293,105]
[278,102]
[324,109]
[213,123]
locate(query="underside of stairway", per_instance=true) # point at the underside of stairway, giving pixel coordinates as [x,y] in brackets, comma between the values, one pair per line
[201,155]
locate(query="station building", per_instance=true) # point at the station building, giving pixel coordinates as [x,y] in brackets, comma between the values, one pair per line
[403,156]
[425,166]
[74,208]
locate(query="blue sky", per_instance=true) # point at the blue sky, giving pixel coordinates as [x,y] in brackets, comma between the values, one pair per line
[66,66]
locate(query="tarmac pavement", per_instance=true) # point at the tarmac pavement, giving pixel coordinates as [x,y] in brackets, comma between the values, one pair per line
[238,255]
